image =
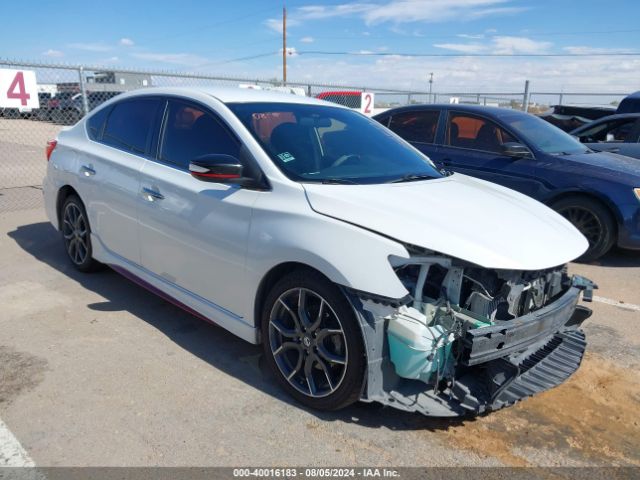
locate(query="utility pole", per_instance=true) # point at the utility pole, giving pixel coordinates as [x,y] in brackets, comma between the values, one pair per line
[284,45]
[430,87]
[525,99]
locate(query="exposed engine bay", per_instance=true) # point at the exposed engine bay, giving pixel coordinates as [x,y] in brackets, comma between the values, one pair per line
[467,334]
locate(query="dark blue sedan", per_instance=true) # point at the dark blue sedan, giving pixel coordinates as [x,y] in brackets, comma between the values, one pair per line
[598,192]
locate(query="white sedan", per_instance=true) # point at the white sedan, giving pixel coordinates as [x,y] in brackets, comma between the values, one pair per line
[365,272]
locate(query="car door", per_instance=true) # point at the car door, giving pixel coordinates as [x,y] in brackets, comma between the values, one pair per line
[194,233]
[472,145]
[110,172]
[617,136]
[418,127]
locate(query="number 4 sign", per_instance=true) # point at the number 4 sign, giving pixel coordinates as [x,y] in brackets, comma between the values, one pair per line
[366,103]
[18,89]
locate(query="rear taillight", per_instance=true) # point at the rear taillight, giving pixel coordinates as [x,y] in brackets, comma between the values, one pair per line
[51,144]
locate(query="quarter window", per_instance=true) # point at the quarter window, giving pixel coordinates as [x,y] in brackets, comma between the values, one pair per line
[129,124]
[416,126]
[476,133]
[192,132]
[96,122]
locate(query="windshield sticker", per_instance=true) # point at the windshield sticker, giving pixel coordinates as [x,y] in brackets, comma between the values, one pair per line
[286,157]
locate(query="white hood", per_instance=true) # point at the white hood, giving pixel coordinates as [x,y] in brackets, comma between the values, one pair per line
[460,216]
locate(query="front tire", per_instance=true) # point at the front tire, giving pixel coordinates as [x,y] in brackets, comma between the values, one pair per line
[76,234]
[312,341]
[593,220]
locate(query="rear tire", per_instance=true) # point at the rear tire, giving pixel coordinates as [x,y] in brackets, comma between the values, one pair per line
[312,341]
[593,220]
[76,234]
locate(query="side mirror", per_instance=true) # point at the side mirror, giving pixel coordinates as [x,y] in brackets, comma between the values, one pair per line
[217,168]
[516,150]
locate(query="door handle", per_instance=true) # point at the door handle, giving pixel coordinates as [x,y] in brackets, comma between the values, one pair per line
[151,194]
[87,170]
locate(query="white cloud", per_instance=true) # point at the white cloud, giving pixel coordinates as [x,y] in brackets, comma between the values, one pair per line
[307,40]
[186,59]
[406,11]
[510,45]
[275,24]
[399,12]
[501,45]
[581,50]
[91,47]
[312,12]
[53,53]
[471,36]
[462,47]
[126,42]
[475,74]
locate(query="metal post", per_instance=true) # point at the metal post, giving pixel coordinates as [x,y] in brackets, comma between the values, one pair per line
[308,90]
[560,99]
[431,88]
[284,45]
[478,99]
[85,103]
[525,100]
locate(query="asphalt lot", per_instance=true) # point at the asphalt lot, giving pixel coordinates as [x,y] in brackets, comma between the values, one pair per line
[96,371]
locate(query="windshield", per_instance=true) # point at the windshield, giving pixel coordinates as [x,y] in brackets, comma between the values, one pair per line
[314,143]
[544,136]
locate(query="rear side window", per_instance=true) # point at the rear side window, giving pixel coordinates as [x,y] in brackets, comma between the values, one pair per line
[96,123]
[129,124]
[191,132]
[615,131]
[416,126]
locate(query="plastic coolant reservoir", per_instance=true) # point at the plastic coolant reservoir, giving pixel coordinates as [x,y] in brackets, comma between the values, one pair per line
[417,350]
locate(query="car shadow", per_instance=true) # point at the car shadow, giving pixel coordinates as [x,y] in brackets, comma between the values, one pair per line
[618,258]
[231,355]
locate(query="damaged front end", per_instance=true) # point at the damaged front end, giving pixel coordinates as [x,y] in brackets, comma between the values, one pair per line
[468,339]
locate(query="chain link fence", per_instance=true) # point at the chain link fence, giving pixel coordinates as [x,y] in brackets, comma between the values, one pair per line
[67,93]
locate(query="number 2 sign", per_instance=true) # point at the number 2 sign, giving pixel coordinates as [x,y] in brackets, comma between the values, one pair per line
[366,103]
[18,89]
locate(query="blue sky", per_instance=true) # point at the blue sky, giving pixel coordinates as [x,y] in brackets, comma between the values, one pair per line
[216,37]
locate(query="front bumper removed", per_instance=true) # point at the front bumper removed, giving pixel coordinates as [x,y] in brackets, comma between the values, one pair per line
[498,365]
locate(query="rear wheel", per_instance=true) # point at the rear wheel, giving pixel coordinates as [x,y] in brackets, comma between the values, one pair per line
[593,220]
[312,342]
[76,234]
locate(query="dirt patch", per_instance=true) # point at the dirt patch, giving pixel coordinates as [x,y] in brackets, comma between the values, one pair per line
[594,418]
[19,373]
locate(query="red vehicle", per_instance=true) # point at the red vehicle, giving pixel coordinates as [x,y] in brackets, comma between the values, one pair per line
[351,99]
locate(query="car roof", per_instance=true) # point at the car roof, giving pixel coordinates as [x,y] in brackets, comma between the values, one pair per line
[232,95]
[479,109]
[618,116]
[608,118]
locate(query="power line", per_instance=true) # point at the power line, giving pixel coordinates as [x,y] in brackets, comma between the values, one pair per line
[474,36]
[240,59]
[395,54]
